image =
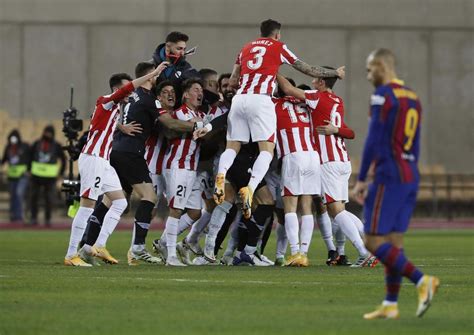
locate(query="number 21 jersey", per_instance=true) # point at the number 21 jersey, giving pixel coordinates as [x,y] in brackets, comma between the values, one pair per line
[259,62]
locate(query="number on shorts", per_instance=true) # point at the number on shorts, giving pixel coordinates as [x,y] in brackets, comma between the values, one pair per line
[97,182]
[257,60]
[411,124]
[181,191]
[300,113]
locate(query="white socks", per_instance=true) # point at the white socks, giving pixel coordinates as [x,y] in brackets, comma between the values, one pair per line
[226,160]
[111,220]
[171,235]
[77,229]
[282,241]
[260,168]
[307,227]
[217,220]
[291,228]
[184,223]
[198,227]
[358,223]
[349,228]
[325,226]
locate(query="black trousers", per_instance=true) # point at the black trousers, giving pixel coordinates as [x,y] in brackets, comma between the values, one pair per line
[48,186]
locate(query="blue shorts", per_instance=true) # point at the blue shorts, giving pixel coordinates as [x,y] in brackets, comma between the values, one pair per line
[388,208]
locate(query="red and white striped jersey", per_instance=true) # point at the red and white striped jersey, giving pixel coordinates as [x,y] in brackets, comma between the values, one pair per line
[155,151]
[259,62]
[324,106]
[103,122]
[183,152]
[293,126]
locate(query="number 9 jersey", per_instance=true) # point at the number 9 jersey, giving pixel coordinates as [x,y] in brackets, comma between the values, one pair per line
[393,140]
[259,63]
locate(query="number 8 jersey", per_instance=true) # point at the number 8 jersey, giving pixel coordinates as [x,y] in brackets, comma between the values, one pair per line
[259,61]
[326,106]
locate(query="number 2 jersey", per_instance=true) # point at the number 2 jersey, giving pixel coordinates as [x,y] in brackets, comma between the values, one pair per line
[326,106]
[393,140]
[259,63]
[103,122]
[293,126]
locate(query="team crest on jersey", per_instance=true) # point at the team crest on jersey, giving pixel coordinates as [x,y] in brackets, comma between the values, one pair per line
[178,74]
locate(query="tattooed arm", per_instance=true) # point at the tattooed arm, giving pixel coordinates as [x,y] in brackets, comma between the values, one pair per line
[234,78]
[318,71]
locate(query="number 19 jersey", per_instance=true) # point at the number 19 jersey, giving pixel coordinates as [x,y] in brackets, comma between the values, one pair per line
[259,61]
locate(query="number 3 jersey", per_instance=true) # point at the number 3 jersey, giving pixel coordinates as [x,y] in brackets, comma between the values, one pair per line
[293,126]
[326,106]
[393,140]
[259,61]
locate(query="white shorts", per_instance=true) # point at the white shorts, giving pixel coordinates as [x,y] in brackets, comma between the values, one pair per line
[183,189]
[251,116]
[97,177]
[159,184]
[301,174]
[273,180]
[335,181]
[206,183]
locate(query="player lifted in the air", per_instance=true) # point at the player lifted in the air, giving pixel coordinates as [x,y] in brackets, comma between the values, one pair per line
[393,146]
[252,115]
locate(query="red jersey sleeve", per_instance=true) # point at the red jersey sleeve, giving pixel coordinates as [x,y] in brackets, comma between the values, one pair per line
[287,57]
[311,98]
[346,132]
[109,100]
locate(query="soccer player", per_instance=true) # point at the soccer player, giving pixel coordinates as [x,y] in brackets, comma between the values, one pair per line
[97,175]
[252,114]
[182,186]
[128,159]
[327,118]
[300,174]
[393,146]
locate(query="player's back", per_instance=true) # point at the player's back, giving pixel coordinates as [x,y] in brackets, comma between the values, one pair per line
[327,106]
[260,61]
[400,113]
[143,109]
[293,126]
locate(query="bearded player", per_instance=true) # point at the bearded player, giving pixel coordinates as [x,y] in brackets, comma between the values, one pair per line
[252,115]
[393,146]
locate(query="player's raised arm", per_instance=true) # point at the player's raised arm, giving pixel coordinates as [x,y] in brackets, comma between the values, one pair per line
[318,71]
[178,125]
[155,73]
[289,89]
[234,77]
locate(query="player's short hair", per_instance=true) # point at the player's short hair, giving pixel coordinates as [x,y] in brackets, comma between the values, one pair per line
[116,79]
[385,55]
[176,36]
[162,85]
[280,92]
[143,68]
[329,81]
[304,87]
[188,83]
[268,27]
[205,73]
[221,78]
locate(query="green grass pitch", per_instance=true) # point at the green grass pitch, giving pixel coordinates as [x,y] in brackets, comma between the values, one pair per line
[38,295]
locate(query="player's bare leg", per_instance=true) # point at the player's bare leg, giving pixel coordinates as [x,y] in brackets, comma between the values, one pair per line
[259,169]
[225,162]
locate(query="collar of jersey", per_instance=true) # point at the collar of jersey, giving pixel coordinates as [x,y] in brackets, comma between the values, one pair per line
[398,81]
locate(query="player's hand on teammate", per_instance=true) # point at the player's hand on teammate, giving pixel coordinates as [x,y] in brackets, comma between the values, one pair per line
[328,129]
[132,128]
[341,72]
[199,133]
[161,67]
[359,192]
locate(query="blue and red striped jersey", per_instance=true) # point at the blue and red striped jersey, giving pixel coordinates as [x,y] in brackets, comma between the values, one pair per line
[393,140]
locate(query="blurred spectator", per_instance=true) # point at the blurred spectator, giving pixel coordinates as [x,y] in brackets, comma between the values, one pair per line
[48,163]
[17,155]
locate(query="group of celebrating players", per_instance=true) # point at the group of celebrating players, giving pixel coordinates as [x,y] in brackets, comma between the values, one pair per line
[210,144]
